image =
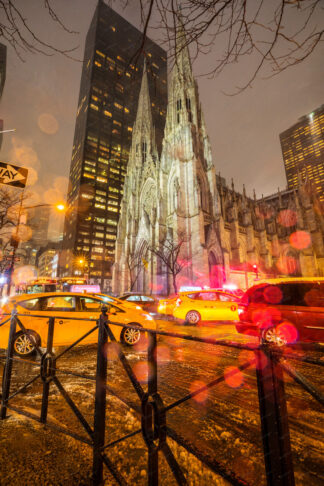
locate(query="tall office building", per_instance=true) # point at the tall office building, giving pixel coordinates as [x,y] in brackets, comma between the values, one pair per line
[108,98]
[3,62]
[303,151]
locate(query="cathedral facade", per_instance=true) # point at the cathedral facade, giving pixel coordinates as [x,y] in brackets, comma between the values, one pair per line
[181,222]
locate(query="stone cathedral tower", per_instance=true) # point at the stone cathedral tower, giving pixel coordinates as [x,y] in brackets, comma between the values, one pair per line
[176,196]
[172,197]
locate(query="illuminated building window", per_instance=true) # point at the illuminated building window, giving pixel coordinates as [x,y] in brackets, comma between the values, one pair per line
[128,74]
[113,28]
[102,193]
[101,179]
[86,196]
[94,107]
[98,64]
[100,206]
[99,220]
[126,110]
[89,176]
[115,122]
[118,106]
[110,208]
[107,113]
[110,237]
[129,129]
[99,235]
[97,249]
[100,53]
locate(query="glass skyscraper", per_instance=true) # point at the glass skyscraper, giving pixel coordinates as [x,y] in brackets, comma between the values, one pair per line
[303,151]
[110,84]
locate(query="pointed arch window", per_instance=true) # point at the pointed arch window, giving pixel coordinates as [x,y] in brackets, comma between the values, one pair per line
[144,150]
[188,106]
[179,106]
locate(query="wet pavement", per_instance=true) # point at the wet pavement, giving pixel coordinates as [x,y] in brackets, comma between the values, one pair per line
[222,423]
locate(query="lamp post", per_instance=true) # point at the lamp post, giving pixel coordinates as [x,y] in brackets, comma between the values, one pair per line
[85,265]
[15,237]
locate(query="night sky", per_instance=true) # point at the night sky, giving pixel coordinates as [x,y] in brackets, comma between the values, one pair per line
[40,101]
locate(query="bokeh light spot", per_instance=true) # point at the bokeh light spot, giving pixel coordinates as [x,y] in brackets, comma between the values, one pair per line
[287,218]
[202,396]
[48,123]
[233,377]
[141,370]
[162,354]
[300,240]
[289,331]
[272,294]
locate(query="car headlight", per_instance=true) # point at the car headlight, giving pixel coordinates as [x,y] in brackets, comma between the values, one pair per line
[138,307]
[147,317]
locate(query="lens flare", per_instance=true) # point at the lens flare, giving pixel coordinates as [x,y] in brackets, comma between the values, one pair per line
[48,123]
[141,371]
[287,218]
[233,377]
[202,396]
[300,240]
[289,331]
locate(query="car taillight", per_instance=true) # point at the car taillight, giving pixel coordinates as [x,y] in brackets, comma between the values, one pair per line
[178,301]
[241,311]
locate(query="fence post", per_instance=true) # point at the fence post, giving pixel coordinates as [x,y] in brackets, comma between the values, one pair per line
[100,400]
[8,365]
[153,453]
[48,366]
[274,419]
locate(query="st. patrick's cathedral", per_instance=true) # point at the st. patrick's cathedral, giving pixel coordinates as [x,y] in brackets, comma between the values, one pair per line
[177,205]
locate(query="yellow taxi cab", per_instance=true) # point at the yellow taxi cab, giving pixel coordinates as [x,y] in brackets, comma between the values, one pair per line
[72,311]
[206,305]
[166,306]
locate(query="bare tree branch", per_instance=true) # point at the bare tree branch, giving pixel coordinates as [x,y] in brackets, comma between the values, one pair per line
[168,252]
[280,34]
[15,29]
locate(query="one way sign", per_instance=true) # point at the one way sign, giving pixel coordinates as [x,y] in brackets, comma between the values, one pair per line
[13,175]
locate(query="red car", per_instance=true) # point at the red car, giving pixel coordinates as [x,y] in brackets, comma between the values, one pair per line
[284,310]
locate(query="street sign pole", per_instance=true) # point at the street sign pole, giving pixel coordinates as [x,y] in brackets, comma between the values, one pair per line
[15,241]
[12,175]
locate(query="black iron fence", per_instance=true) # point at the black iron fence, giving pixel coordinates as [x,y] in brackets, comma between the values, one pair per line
[270,364]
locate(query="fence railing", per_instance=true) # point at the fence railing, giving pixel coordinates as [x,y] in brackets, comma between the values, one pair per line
[270,364]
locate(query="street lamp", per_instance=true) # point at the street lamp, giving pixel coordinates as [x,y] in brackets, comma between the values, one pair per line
[15,238]
[83,263]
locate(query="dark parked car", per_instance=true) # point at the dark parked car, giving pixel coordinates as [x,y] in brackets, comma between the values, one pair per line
[147,302]
[284,310]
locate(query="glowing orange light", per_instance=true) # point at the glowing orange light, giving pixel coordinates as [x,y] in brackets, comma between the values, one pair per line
[233,377]
[288,330]
[141,371]
[287,218]
[300,240]
[60,207]
[202,396]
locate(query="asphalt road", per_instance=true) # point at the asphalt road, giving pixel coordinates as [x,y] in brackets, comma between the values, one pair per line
[222,422]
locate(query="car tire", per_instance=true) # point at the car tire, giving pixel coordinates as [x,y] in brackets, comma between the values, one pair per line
[274,335]
[193,317]
[130,337]
[25,344]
